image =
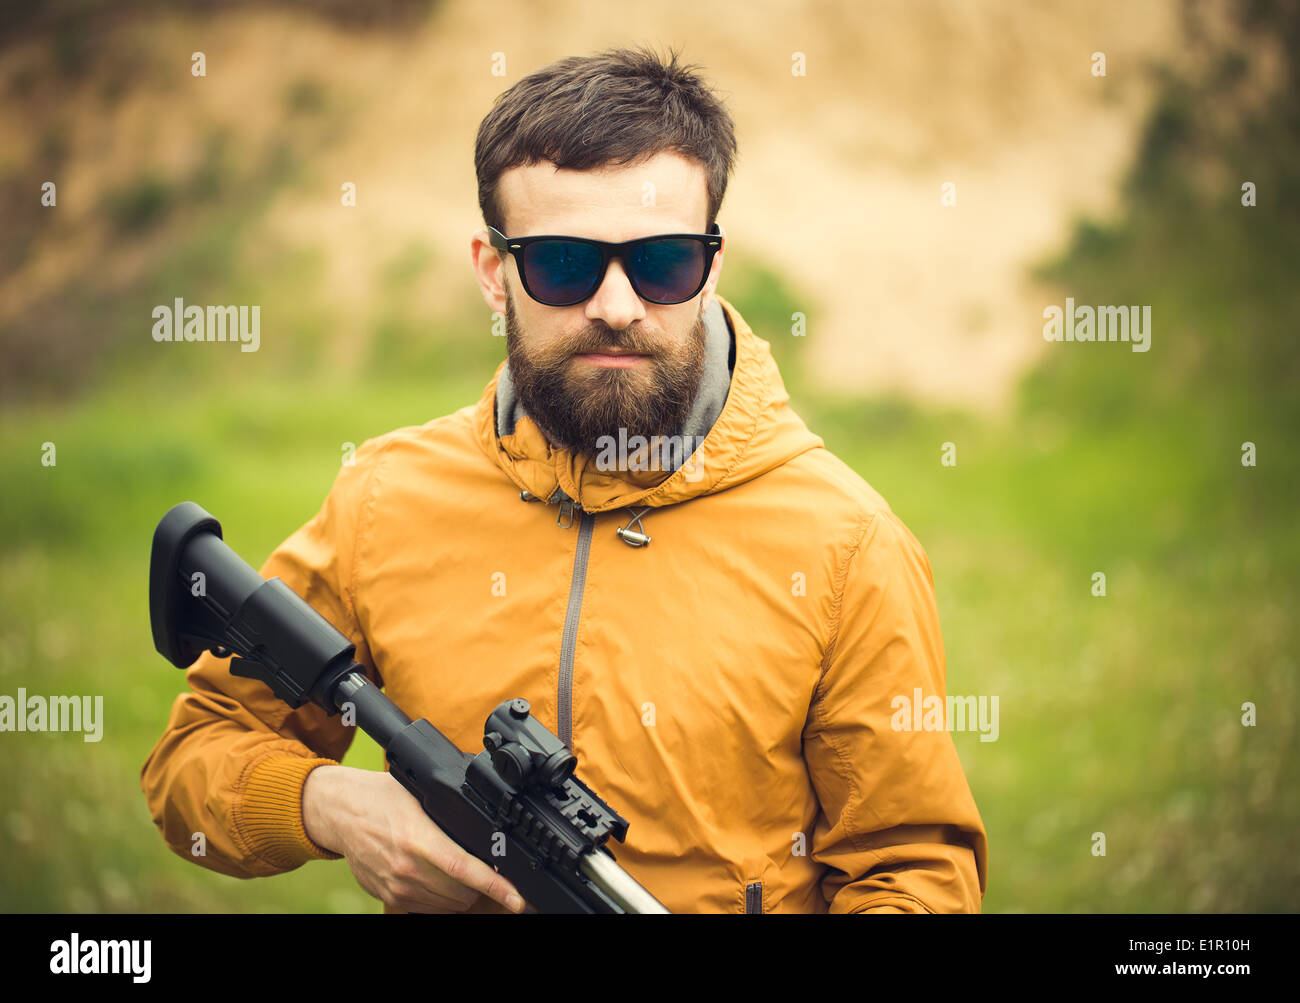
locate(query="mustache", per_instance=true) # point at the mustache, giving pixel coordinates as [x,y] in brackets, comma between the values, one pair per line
[602,337]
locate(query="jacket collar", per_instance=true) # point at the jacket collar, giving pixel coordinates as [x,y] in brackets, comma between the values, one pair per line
[746,422]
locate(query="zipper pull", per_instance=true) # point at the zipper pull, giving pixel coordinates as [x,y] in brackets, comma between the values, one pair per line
[567,505]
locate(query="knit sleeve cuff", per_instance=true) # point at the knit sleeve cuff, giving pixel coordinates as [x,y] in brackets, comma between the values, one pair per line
[269,817]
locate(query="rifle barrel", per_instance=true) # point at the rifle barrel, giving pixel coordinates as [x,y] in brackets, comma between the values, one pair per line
[604,872]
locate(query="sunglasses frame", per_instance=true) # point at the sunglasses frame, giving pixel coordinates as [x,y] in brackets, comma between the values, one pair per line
[712,242]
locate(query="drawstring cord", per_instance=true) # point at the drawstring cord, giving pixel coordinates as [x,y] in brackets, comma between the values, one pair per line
[632,537]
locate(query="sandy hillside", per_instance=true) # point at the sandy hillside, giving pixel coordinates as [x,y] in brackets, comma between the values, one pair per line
[838,185]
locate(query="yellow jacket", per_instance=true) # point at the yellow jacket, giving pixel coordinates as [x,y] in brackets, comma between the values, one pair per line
[727,688]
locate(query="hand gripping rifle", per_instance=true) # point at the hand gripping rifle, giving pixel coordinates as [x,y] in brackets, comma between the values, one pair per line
[521,787]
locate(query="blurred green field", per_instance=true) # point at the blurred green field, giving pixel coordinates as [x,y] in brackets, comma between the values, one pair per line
[1119,715]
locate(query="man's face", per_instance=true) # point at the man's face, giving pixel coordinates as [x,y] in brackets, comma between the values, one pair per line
[615,360]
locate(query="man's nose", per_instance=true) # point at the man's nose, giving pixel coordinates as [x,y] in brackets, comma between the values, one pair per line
[615,302]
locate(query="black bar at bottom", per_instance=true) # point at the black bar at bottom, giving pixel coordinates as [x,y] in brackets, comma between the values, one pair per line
[330,953]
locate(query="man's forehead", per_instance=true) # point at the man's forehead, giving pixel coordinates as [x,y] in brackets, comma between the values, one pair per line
[665,194]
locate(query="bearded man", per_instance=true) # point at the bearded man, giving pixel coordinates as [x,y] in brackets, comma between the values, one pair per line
[719,637]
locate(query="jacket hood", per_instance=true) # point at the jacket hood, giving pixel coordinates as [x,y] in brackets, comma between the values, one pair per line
[755,432]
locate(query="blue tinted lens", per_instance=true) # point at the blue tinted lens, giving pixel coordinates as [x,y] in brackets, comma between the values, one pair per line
[561,271]
[667,271]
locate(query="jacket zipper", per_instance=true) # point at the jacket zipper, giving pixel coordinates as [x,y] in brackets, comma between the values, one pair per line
[754,897]
[577,586]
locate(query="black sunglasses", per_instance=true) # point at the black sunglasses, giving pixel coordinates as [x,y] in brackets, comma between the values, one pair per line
[561,271]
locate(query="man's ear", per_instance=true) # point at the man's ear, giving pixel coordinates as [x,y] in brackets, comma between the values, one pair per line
[489,268]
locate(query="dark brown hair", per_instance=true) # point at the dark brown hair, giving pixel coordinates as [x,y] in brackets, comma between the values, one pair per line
[618,107]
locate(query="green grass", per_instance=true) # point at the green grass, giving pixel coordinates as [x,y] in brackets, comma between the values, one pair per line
[1117,714]
[74,831]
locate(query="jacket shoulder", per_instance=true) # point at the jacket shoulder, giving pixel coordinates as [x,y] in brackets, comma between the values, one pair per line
[840,494]
[445,436]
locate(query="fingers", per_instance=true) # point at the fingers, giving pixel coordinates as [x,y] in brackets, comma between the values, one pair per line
[459,875]
[401,856]
[424,887]
[456,872]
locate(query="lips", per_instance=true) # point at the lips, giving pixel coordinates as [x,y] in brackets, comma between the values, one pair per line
[612,359]
[613,351]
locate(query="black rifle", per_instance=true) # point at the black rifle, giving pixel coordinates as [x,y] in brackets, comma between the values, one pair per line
[518,796]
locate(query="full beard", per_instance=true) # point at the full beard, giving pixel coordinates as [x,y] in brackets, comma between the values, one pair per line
[575,404]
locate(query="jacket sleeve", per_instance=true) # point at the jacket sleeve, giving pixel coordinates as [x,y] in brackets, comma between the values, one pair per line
[231,764]
[898,828]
